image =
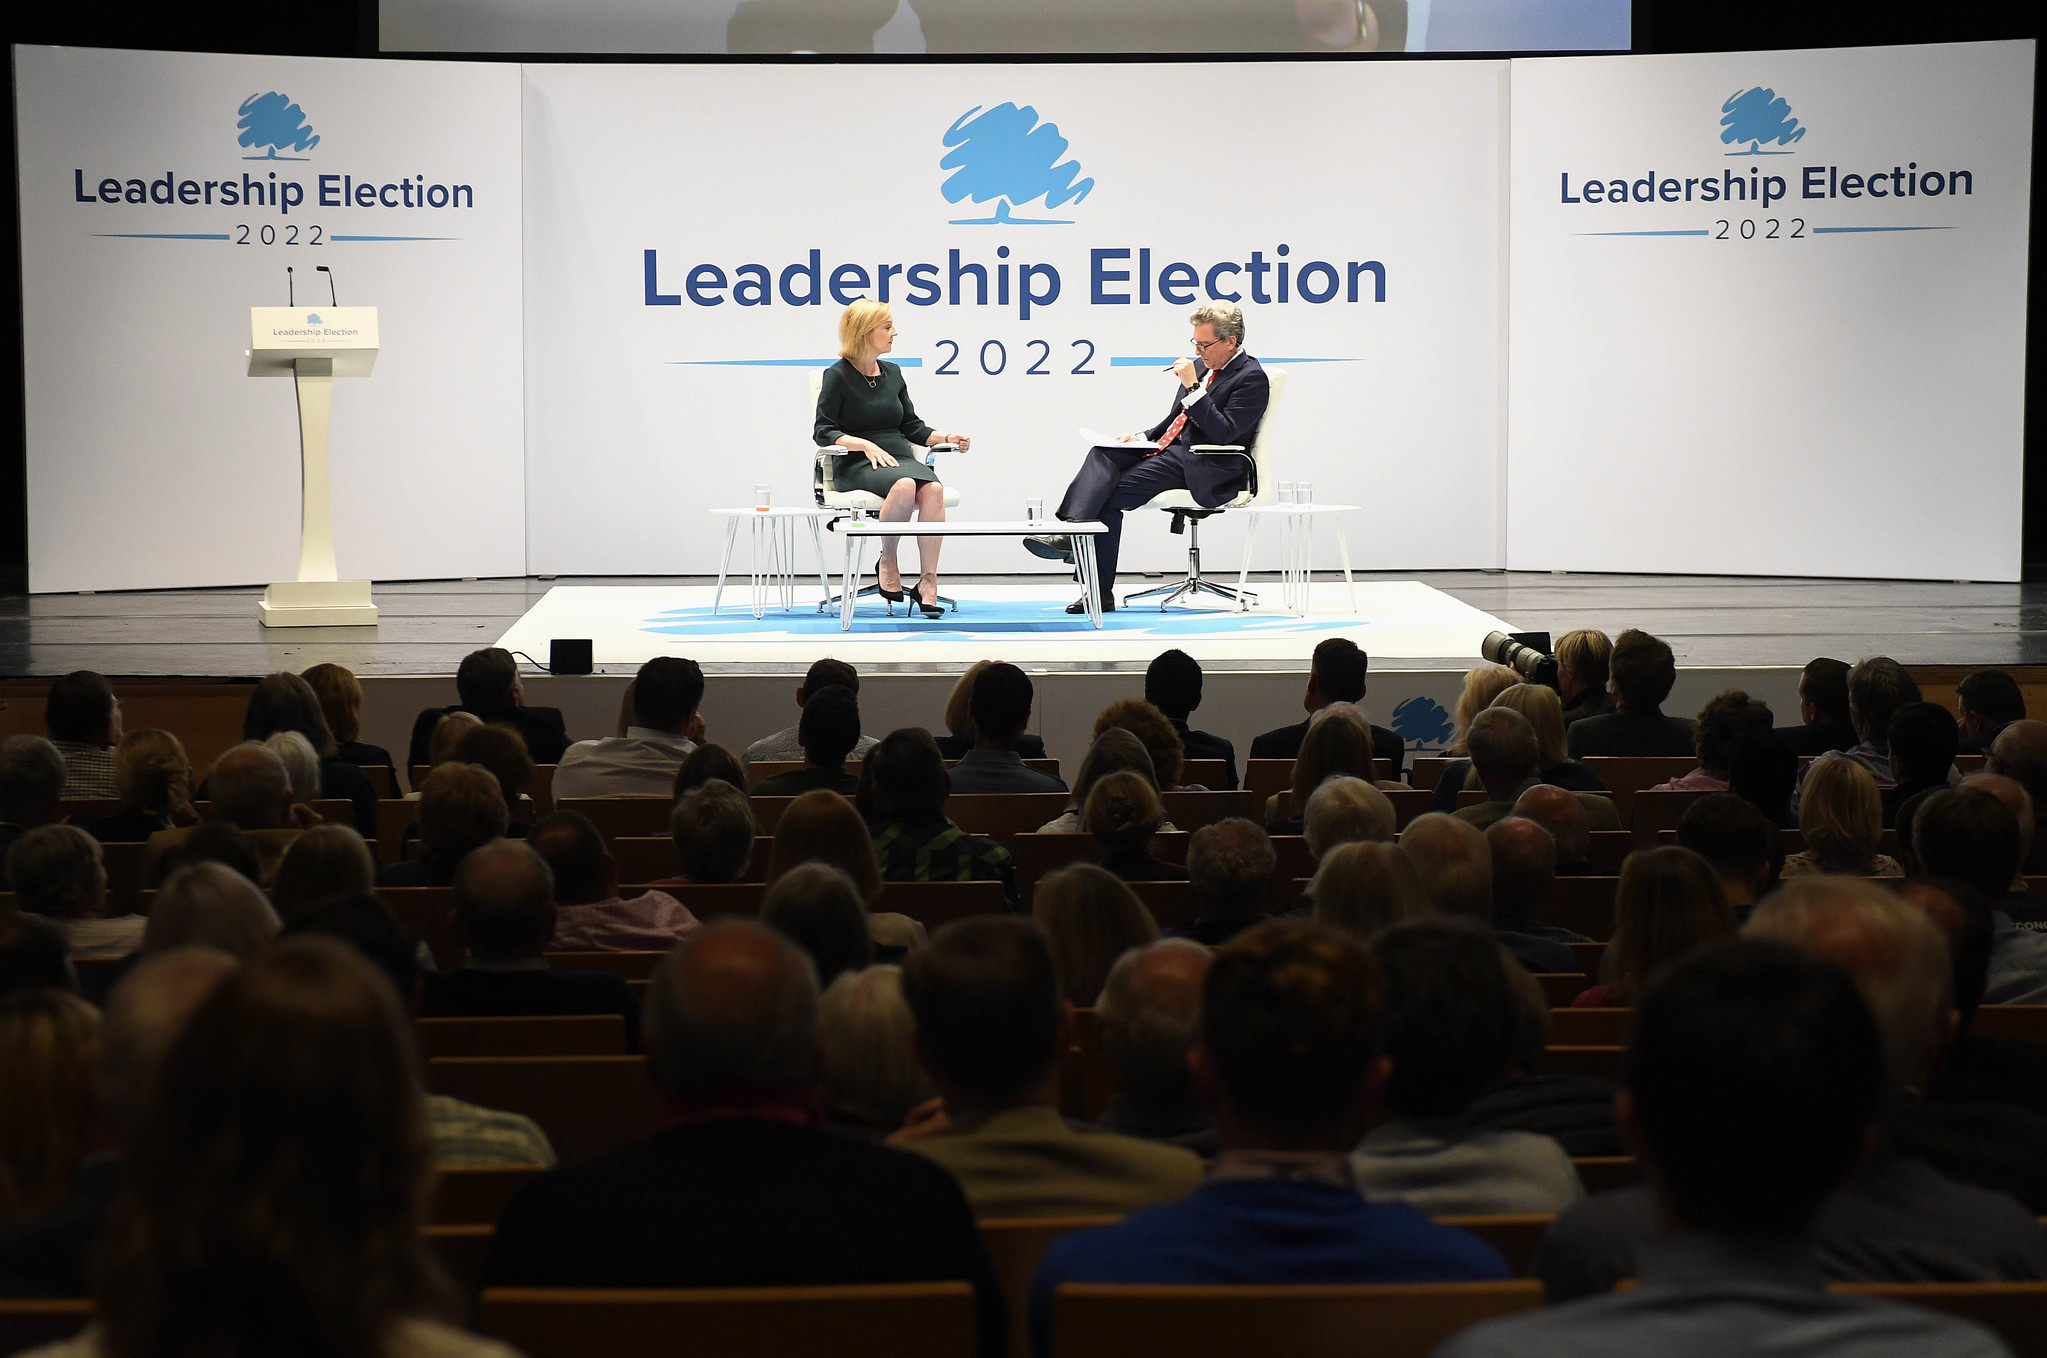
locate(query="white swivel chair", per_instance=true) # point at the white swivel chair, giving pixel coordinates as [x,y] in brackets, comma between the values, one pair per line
[1187,515]
[862,504]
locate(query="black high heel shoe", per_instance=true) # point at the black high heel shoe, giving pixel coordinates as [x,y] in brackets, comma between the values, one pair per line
[933,609]
[895,596]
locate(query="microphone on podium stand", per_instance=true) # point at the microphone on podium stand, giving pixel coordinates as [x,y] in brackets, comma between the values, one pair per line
[332,299]
[289,298]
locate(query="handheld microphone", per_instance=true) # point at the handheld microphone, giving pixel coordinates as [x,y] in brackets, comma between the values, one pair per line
[289,298]
[332,300]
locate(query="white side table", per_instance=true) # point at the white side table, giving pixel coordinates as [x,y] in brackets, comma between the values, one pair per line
[1297,549]
[1083,534]
[773,562]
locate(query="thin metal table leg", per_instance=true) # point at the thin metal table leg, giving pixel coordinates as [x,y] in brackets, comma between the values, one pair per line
[1250,539]
[817,546]
[1343,546]
[731,536]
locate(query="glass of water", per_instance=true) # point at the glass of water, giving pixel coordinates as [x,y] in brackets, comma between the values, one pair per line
[1034,511]
[1304,492]
[760,496]
[1286,492]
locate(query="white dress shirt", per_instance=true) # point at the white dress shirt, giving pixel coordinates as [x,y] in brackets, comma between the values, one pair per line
[640,763]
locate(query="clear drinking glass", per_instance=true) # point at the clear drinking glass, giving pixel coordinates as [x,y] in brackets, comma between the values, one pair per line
[760,496]
[1034,511]
[1286,492]
[1304,492]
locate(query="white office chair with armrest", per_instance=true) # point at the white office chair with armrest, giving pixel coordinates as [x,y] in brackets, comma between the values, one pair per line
[1187,515]
[862,504]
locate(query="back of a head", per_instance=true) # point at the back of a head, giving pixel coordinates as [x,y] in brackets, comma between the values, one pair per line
[151,773]
[959,704]
[666,690]
[732,1010]
[365,923]
[1763,771]
[1878,687]
[2010,791]
[502,750]
[55,871]
[2020,752]
[1589,653]
[986,997]
[1451,859]
[1150,1011]
[1729,718]
[301,763]
[1363,888]
[1666,905]
[144,1015]
[79,707]
[448,733]
[713,829]
[31,779]
[340,695]
[1502,746]
[1840,813]
[250,788]
[210,905]
[709,763]
[326,862]
[574,852]
[1729,833]
[1993,696]
[1152,730]
[1897,957]
[1090,918]
[461,806]
[1122,811]
[1969,835]
[504,901]
[1002,703]
[485,680]
[1346,810]
[287,1156]
[1824,684]
[285,702]
[1644,670]
[829,727]
[1923,738]
[1451,1019]
[47,1039]
[1113,751]
[1754,1074]
[818,907]
[908,774]
[1290,1017]
[1339,669]
[827,673]
[867,1051]
[1524,866]
[1338,744]
[1558,812]
[1229,866]
[33,955]
[1482,684]
[821,826]
[1544,712]
[1172,684]
[1964,920]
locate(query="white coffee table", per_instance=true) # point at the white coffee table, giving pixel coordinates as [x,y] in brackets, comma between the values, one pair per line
[1083,535]
[1297,548]
[773,564]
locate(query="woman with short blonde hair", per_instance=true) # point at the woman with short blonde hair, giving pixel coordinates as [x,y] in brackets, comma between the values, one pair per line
[1090,918]
[1667,905]
[340,695]
[1481,686]
[1841,816]
[863,407]
[822,826]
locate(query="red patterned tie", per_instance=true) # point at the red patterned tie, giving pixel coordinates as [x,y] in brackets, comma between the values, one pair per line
[1180,420]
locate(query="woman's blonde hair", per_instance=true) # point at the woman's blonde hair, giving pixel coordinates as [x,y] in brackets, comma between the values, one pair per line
[1481,686]
[448,733]
[857,322]
[822,826]
[1667,905]
[959,704]
[1363,888]
[1115,750]
[47,1042]
[1347,810]
[1153,731]
[1090,918]
[1545,712]
[1339,741]
[340,695]
[151,772]
[867,1052]
[1122,809]
[1841,815]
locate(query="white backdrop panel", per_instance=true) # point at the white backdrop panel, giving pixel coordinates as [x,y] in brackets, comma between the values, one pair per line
[152,460]
[631,435]
[1835,387]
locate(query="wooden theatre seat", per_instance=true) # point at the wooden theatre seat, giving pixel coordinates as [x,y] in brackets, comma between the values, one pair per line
[893,1320]
[585,1104]
[475,1195]
[1015,1245]
[1515,1237]
[1360,1320]
[548,1035]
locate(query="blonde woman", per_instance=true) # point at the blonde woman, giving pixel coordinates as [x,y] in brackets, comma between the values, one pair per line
[1841,815]
[864,407]
[1362,888]
[1481,686]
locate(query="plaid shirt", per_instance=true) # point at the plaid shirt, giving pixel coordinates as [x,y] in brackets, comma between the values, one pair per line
[88,769]
[939,851]
[465,1135]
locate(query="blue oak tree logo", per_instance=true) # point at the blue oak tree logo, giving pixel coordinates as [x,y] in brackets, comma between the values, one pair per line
[1422,722]
[1757,116]
[272,120]
[1004,155]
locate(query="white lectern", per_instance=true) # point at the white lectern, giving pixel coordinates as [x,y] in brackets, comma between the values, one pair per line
[314,346]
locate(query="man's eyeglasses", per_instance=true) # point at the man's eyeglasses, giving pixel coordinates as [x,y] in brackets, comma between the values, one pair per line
[1201,348]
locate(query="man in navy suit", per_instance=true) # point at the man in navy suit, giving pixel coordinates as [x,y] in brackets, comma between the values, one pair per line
[1222,398]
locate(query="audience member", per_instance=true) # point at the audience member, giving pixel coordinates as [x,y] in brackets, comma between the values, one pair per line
[959,719]
[1154,732]
[1482,684]
[83,718]
[1123,814]
[449,729]
[867,1053]
[47,1043]
[325,863]
[1644,672]
[1172,684]
[1338,745]
[1738,842]
[743,1187]
[1969,835]
[55,871]
[340,696]
[1545,715]
[285,702]
[504,910]
[1455,864]
[1979,1069]
[1090,919]
[1288,1059]
[1150,1014]
[1113,751]
[31,782]
[1560,813]
[828,731]
[1451,1023]
[785,746]
[1575,1111]
[461,807]
[502,750]
[1877,688]
[991,1029]
[1336,674]
[1667,905]
[1503,758]
[251,791]
[1229,869]
[1002,709]
[1922,739]
[2019,753]
[1346,810]
[32,955]
[301,765]
[1363,888]
[487,682]
[1841,815]
[2022,905]
[215,842]
[1985,703]
[1524,869]
[709,763]
[1727,719]
[713,830]
[210,905]
[642,761]
[589,913]
[817,907]
[823,827]
[1822,710]
[1752,1078]
[912,837]
[1764,772]
[153,783]
[1583,660]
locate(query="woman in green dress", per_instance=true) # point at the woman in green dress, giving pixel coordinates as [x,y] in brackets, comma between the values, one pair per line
[865,409]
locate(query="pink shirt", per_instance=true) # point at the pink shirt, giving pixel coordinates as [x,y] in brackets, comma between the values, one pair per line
[1698,780]
[654,922]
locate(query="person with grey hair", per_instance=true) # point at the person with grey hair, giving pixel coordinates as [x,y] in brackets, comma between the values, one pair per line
[1221,400]
[867,1053]
[301,764]
[31,781]
[55,871]
[1505,756]
[1454,864]
[1524,868]
[1561,813]
[817,907]
[1150,1013]
[744,1186]
[505,912]
[210,905]
[1229,866]
[250,790]
[1346,810]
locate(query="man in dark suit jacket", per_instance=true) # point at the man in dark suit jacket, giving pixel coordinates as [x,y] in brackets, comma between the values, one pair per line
[488,683]
[504,909]
[1222,400]
[1643,672]
[1335,675]
[1172,684]
[1822,710]
[744,1187]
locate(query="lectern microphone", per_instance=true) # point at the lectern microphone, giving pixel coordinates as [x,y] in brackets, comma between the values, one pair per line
[332,300]
[289,298]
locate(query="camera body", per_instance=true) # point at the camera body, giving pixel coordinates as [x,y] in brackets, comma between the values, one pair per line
[1526,653]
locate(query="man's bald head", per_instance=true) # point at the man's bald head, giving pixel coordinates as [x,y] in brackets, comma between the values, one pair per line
[734,1007]
[1151,1017]
[251,789]
[2016,799]
[145,1014]
[2020,751]
[1524,865]
[504,901]
[1558,812]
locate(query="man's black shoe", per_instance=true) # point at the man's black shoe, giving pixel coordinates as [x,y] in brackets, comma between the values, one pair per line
[1079,605]
[1051,546]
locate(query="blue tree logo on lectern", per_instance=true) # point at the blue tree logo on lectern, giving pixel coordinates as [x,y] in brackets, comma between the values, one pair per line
[272,120]
[1422,722]
[1006,156]
[1757,116]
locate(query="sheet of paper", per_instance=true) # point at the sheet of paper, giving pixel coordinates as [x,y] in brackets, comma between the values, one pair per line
[1095,439]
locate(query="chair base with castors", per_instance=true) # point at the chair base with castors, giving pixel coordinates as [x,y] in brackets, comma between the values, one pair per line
[1195,584]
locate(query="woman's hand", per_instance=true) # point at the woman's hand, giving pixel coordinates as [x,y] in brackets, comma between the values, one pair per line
[960,441]
[877,456]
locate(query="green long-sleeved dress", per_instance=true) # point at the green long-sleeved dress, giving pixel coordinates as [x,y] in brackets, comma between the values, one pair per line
[881,414]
